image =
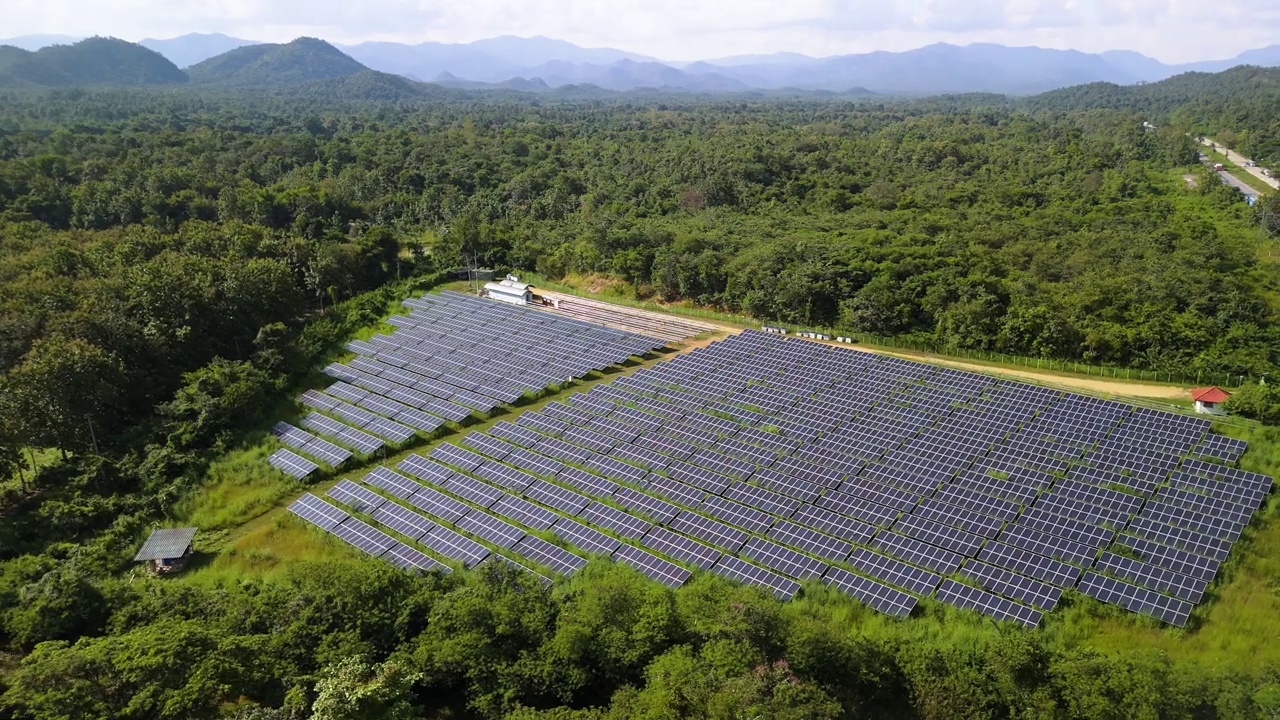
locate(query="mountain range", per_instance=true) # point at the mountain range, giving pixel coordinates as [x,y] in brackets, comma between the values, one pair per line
[540,64]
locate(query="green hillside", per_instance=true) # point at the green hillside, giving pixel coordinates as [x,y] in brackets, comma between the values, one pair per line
[300,61]
[1237,107]
[94,61]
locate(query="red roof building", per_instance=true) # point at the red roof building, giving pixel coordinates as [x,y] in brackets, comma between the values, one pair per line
[1208,399]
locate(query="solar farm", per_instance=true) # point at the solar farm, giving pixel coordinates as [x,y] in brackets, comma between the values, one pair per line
[775,461]
[441,365]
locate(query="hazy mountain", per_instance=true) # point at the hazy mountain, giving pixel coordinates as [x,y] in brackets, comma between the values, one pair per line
[778,58]
[431,59]
[95,61]
[303,60]
[35,42]
[188,50]
[450,80]
[1263,57]
[538,50]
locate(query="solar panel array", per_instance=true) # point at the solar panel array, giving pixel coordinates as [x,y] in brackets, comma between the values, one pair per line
[453,355]
[771,461]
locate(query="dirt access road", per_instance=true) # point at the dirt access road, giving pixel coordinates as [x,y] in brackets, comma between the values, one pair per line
[1242,161]
[1087,384]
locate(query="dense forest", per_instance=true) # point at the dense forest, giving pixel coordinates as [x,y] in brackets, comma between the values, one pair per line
[173,261]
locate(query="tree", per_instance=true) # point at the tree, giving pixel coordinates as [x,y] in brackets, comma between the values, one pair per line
[215,399]
[66,392]
[1258,401]
[355,689]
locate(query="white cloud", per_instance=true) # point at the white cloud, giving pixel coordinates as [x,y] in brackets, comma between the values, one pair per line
[1172,30]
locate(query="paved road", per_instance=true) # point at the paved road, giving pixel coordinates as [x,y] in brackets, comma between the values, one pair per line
[1240,160]
[1244,187]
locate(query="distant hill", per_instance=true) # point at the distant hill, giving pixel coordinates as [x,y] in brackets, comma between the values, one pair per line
[1237,106]
[193,48]
[94,61]
[35,42]
[300,61]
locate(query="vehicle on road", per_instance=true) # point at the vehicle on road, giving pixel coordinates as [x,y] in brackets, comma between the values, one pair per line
[1219,167]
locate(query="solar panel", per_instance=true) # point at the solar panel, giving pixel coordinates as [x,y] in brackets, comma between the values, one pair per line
[681,548]
[748,574]
[660,511]
[938,534]
[905,576]
[711,531]
[783,559]
[810,541]
[402,520]
[834,524]
[355,497]
[552,556]
[651,565]
[491,446]
[318,512]
[1140,600]
[1012,585]
[292,464]
[749,519]
[491,529]
[364,536]
[1054,572]
[615,520]
[586,538]
[971,598]
[762,499]
[883,598]
[457,457]
[917,552]
[1170,558]
[450,544]
[588,483]
[557,497]
[473,490]
[524,512]
[405,557]
[507,477]
[1153,577]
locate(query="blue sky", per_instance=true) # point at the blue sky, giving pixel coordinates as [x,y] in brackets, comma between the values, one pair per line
[1170,30]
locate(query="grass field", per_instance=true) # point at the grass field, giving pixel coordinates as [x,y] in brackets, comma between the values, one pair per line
[246,532]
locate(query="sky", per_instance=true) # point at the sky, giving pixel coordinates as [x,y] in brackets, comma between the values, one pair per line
[1168,30]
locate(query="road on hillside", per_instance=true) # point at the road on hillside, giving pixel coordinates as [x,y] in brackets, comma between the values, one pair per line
[1242,161]
[1243,186]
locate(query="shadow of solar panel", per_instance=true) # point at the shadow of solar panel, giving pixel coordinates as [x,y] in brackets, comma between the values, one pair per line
[748,574]
[318,512]
[364,537]
[1153,577]
[783,559]
[894,572]
[615,521]
[1025,562]
[707,530]
[402,520]
[916,552]
[834,524]
[524,512]
[552,556]
[882,598]
[1012,585]
[1140,600]
[355,497]
[586,538]
[971,598]
[651,565]
[407,558]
